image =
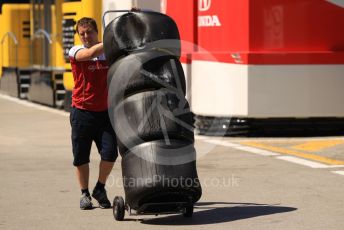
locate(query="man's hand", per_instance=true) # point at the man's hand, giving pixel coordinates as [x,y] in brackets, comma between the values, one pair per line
[135,9]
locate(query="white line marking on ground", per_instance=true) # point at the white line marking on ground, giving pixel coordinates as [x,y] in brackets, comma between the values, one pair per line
[257,151]
[304,162]
[339,172]
[221,142]
[33,105]
[336,166]
[243,148]
[198,137]
[262,152]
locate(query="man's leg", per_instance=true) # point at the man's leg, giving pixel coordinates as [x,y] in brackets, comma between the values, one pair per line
[107,147]
[82,142]
[105,168]
[83,174]
[99,192]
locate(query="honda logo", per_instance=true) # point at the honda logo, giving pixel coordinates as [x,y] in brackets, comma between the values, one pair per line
[204,5]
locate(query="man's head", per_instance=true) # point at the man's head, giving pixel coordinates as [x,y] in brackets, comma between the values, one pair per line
[88,31]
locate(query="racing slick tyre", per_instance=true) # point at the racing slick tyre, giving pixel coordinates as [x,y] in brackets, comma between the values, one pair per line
[140,30]
[156,172]
[149,116]
[144,71]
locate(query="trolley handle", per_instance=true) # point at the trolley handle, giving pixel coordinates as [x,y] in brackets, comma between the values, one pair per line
[125,11]
[113,11]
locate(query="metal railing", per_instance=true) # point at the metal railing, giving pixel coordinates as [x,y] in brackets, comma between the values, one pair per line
[45,51]
[15,40]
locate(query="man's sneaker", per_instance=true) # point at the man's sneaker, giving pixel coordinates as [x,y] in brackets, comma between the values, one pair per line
[101,197]
[85,202]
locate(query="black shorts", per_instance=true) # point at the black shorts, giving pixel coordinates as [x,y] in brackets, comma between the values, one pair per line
[88,126]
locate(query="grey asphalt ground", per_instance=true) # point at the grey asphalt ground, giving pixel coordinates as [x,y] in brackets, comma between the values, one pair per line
[241,190]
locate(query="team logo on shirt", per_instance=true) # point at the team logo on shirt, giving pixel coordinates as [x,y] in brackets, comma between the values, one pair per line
[92,68]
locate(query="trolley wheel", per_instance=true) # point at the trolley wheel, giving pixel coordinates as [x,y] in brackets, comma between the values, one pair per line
[188,211]
[118,208]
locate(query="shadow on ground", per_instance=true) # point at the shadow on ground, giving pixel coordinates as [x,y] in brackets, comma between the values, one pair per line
[206,213]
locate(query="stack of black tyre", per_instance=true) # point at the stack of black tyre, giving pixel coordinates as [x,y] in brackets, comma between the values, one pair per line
[151,117]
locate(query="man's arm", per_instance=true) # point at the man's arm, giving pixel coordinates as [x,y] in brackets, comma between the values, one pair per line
[89,53]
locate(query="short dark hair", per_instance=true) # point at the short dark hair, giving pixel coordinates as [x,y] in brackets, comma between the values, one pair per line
[86,21]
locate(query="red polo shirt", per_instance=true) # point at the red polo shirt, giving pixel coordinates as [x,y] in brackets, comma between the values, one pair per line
[90,82]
